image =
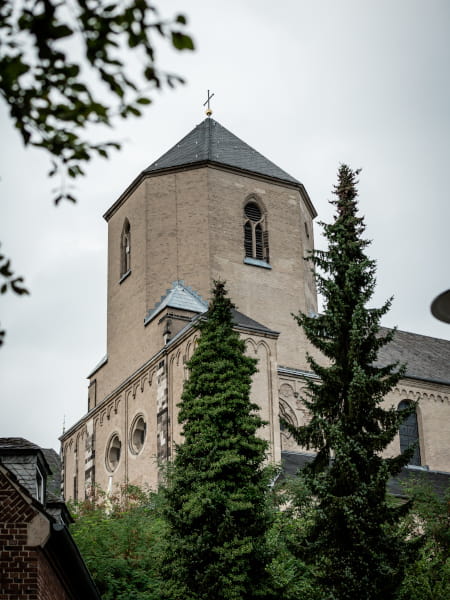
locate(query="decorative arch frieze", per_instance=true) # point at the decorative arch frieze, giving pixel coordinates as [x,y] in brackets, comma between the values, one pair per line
[257,345]
[419,395]
[178,357]
[250,342]
[109,408]
[190,346]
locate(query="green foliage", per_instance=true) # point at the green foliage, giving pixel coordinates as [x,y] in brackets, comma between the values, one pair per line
[217,511]
[428,577]
[353,542]
[119,537]
[50,50]
[293,578]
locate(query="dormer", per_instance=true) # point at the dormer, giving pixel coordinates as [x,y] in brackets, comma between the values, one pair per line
[28,463]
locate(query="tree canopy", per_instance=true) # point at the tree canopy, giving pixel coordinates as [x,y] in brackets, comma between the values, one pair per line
[119,536]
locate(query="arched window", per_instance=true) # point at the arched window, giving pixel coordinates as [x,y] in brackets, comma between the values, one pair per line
[409,434]
[125,249]
[256,236]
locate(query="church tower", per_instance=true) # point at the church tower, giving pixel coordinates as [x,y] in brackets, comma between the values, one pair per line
[211,207]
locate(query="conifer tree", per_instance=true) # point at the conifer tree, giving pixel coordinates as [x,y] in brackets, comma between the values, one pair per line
[217,486]
[353,540]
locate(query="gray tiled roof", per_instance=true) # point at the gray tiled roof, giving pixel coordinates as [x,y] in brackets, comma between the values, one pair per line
[21,458]
[179,296]
[426,357]
[293,462]
[10,444]
[211,142]
[54,480]
[241,320]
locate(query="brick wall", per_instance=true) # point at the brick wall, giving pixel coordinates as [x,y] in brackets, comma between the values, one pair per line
[49,585]
[24,571]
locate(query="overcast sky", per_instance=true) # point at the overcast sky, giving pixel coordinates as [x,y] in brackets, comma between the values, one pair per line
[307,84]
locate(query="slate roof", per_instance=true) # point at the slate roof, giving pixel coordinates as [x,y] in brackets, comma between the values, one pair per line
[183,297]
[427,358]
[179,296]
[241,320]
[17,453]
[292,462]
[13,444]
[210,142]
[54,480]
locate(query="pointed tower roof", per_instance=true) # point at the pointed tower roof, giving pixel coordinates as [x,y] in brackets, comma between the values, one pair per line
[178,296]
[210,142]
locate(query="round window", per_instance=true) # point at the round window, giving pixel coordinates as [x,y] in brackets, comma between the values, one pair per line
[113,453]
[137,435]
[252,211]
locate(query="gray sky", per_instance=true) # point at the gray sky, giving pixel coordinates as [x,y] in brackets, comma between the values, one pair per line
[307,84]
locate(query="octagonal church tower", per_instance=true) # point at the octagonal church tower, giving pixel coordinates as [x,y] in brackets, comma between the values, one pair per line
[211,207]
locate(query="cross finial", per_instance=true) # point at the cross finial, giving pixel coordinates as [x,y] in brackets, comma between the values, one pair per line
[208,110]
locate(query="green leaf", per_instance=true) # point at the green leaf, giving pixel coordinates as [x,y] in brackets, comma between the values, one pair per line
[181,41]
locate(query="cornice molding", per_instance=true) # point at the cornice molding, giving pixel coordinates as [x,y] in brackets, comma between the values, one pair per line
[213,165]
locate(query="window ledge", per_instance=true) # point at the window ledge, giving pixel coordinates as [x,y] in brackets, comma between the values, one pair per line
[125,275]
[257,263]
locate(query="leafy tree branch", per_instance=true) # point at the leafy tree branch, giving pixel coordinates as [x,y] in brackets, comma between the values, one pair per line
[49,49]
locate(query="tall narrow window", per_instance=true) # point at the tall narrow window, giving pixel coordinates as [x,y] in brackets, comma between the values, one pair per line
[409,434]
[125,249]
[256,237]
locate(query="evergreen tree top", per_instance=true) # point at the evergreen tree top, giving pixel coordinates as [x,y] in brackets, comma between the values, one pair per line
[353,538]
[217,486]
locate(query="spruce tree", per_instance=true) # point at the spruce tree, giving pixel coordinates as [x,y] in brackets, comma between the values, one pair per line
[353,541]
[217,487]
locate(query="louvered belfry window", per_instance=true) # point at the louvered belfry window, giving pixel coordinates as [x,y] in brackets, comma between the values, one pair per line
[256,237]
